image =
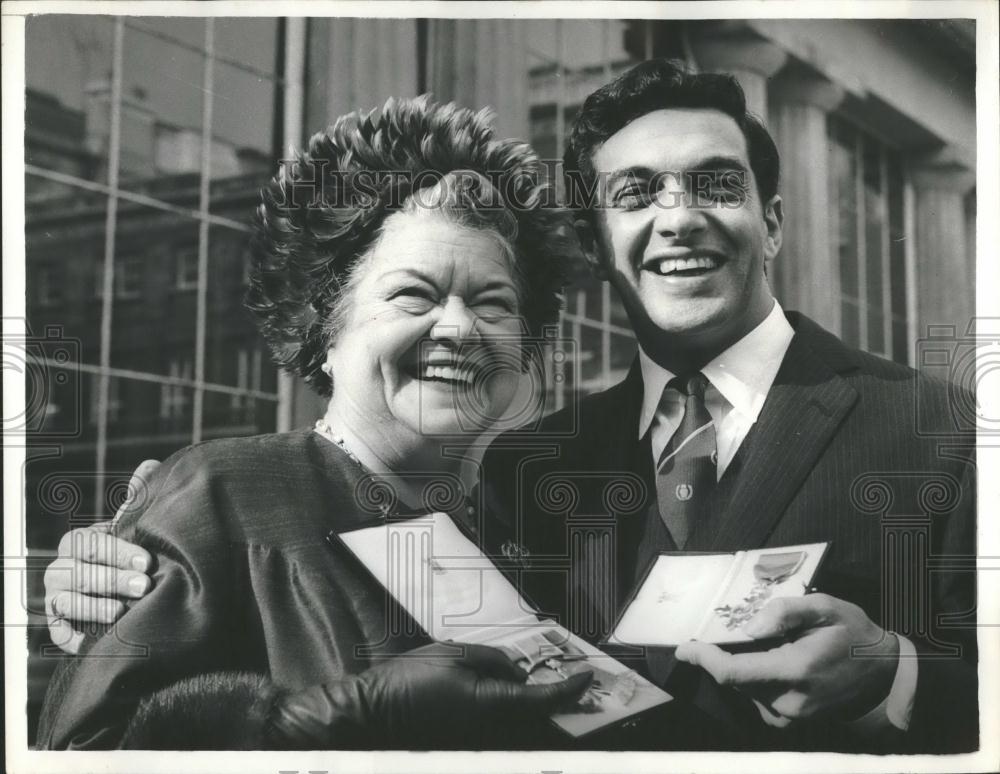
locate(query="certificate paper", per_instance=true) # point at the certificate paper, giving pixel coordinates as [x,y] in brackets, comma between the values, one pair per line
[456,593]
[439,576]
[709,597]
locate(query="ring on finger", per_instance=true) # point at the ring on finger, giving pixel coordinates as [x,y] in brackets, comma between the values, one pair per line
[53,611]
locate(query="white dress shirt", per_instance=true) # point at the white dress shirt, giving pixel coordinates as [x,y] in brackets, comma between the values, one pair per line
[739,380]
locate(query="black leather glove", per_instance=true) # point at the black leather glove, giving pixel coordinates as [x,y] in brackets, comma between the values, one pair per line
[440,695]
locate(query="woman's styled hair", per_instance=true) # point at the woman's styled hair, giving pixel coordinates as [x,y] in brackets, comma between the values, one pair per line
[659,84]
[325,209]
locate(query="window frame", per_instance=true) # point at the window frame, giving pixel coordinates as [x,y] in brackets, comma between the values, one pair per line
[128,275]
[183,282]
[859,307]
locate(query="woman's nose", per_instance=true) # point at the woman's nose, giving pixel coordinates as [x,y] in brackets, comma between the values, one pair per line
[457,322]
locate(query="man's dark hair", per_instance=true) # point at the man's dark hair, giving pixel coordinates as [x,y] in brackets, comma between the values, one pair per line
[659,84]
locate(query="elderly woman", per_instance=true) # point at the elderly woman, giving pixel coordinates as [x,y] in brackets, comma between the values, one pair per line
[398,263]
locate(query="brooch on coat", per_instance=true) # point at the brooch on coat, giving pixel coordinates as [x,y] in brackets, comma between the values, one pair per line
[515,553]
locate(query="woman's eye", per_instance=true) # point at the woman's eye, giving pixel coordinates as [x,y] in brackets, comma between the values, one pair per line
[413,298]
[494,308]
[498,302]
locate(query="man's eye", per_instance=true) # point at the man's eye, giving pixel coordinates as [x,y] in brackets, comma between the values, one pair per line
[633,198]
[728,188]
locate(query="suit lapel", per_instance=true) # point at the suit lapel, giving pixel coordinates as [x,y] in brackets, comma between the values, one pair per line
[611,423]
[804,408]
[629,453]
[609,447]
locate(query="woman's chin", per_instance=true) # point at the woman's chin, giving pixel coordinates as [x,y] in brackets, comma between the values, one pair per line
[454,410]
[435,422]
[460,418]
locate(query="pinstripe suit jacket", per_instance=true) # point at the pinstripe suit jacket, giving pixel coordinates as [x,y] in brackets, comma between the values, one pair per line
[848,448]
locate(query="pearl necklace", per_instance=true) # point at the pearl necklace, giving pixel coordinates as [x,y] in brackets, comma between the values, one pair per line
[323,428]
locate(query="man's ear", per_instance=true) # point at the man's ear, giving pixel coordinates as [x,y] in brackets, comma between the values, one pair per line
[588,244]
[774,217]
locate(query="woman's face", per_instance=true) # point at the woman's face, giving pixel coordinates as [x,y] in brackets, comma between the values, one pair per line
[431,340]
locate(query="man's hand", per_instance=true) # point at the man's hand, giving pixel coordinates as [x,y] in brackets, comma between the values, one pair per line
[813,674]
[94,569]
[439,695]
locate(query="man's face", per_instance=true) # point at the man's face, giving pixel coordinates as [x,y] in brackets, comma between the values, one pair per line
[683,235]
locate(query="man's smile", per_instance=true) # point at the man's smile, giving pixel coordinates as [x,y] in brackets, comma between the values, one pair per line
[683,263]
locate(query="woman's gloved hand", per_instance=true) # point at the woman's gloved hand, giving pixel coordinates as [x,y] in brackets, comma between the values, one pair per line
[440,695]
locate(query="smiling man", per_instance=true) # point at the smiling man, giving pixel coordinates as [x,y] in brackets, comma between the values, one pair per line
[681,237]
[741,426]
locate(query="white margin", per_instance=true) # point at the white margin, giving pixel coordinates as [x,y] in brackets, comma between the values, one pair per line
[988,305]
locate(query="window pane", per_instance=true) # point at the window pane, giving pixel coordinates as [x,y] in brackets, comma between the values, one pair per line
[900,342]
[593,51]
[589,351]
[249,42]
[843,193]
[161,116]
[64,244]
[241,159]
[234,415]
[149,411]
[235,354]
[67,112]
[897,260]
[872,272]
[587,43]
[154,320]
[850,327]
[875,223]
[155,416]
[876,335]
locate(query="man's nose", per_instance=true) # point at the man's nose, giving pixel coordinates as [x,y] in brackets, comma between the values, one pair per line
[677,214]
[456,322]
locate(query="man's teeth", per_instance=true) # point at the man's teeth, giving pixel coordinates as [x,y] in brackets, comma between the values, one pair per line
[447,372]
[669,265]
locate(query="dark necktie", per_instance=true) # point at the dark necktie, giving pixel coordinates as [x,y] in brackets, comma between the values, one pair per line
[685,472]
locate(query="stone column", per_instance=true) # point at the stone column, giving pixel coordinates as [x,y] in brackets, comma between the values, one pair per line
[740,52]
[479,63]
[945,262]
[805,275]
[369,60]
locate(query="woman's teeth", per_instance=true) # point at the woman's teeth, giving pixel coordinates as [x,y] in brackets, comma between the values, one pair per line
[671,265]
[448,373]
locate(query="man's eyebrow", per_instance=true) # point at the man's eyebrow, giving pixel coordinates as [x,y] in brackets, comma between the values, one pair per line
[708,164]
[716,163]
[636,173]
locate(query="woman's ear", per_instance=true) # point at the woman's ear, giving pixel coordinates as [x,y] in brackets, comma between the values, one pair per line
[588,244]
[327,367]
